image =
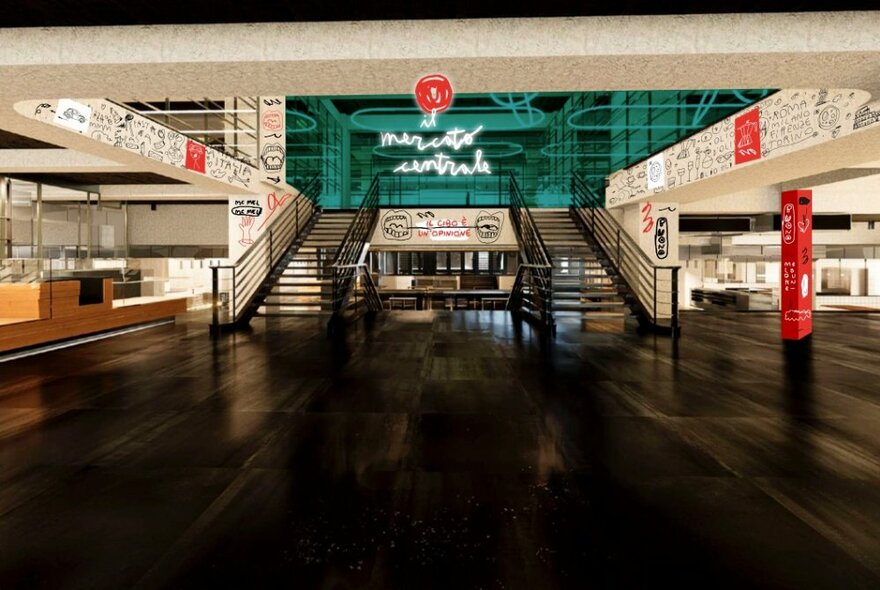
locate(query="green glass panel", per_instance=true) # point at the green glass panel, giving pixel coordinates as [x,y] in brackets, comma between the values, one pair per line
[540,138]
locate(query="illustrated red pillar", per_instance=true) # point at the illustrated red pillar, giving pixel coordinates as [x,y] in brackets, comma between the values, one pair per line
[796,298]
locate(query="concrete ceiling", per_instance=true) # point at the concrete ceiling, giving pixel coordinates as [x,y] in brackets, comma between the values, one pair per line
[119,12]
[565,54]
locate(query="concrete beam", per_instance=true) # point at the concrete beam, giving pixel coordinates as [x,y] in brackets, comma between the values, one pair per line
[55,161]
[828,178]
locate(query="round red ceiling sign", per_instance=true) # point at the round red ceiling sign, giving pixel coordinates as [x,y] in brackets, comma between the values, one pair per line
[434,93]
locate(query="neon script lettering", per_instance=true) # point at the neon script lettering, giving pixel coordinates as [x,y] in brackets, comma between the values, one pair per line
[441,163]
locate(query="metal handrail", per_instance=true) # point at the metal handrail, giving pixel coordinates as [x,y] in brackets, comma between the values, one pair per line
[653,287]
[533,287]
[262,259]
[348,263]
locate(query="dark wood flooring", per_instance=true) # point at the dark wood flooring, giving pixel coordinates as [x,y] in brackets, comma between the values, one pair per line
[446,450]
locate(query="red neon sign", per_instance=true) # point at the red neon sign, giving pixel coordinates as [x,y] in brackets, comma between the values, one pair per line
[434,93]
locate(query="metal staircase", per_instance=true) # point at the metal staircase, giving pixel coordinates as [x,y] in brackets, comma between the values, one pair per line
[305,286]
[648,290]
[584,291]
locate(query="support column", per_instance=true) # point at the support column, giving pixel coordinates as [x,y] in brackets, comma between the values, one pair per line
[5,219]
[39,224]
[796,296]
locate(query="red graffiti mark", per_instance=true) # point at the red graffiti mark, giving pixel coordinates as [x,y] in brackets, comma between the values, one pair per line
[434,93]
[274,204]
[271,121]
[647,219]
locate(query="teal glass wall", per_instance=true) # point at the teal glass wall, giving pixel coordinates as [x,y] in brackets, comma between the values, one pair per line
[540,138]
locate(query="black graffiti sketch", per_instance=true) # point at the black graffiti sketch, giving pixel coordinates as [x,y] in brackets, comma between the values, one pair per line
[488,226]
[272,157]
[829,116]
[397,225]
[865,117]
[271,101]
[661,238]
[805,256]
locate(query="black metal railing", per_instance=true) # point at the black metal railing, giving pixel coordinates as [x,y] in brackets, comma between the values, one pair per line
[653,288]
[238,288]
[532,290]
[349,263]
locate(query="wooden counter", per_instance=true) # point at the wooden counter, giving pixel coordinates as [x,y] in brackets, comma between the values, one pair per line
[40,313]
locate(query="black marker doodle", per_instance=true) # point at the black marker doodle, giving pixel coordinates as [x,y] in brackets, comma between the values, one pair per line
[661,238]
[397,225]
[488,226]
[272,157]
[829,116]
[865,117]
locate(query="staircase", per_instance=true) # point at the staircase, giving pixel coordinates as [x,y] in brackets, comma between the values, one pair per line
[305,287]
[583,291]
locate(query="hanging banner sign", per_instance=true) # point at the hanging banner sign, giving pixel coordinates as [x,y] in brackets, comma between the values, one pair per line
[195,156]
[747,139]
[444,229]
[796,298]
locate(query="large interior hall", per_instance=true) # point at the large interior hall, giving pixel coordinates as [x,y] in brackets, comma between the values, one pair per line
[439,296]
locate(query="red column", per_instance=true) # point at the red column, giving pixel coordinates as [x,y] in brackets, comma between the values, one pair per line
[796,297]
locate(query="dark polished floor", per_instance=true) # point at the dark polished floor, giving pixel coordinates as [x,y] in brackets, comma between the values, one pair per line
[445,450]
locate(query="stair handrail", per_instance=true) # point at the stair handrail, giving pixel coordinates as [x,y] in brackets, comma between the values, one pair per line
[653,286]
[262,258]
[533,286]
[348,263]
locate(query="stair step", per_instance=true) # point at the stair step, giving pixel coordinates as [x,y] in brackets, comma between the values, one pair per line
[593,315]
[570,306]
[315,282]
[568,295]
[322,303]
[293,314]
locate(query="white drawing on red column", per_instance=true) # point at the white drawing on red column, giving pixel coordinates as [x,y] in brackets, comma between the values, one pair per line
[804,224]
[805,285]
[797,315]
[788,223]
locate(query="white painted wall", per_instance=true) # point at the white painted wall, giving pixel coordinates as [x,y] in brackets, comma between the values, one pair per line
[178,225]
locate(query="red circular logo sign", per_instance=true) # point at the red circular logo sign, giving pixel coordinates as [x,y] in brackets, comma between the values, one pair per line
[434,93]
